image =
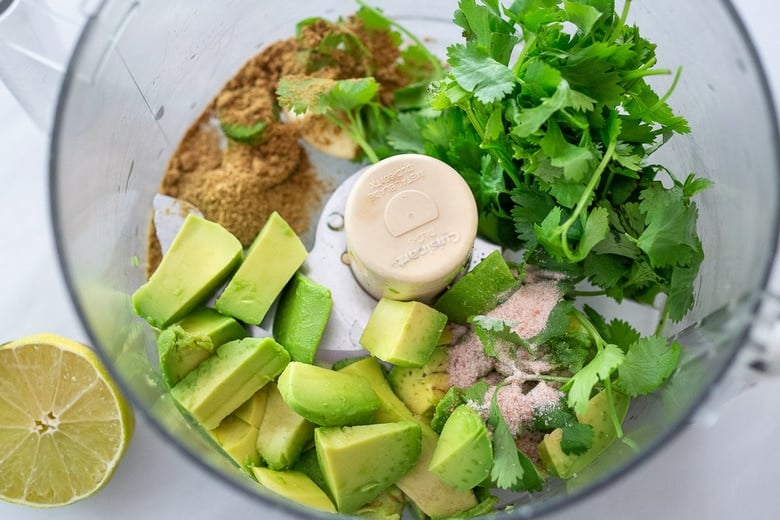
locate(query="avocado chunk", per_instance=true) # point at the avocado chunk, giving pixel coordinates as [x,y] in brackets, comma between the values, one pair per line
[283,433]
[296,486]
[478,291]
[200,259]
[187,343]
[423,387]
[308,464]
[253,409]
[464,454]
[403,333]
[597,416]
[427,491]
[387,506]
[238,439]
[360,462]
[326,397]
[274,256]
[223,382]
[300,319]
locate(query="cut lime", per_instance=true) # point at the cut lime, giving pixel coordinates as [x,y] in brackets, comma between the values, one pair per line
[64,426]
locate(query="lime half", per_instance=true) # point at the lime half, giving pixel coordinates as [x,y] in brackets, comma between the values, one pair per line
[64,426]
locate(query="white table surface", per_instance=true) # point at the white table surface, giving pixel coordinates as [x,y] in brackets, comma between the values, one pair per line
[727,467]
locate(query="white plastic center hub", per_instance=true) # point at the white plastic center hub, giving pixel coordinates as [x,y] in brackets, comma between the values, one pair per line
[410,224]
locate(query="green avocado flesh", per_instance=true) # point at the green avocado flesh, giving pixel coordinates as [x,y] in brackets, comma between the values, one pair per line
[296,486]
[326,397]
[223,382]
[597,416]
[464,454]
[428,492]
[415,327]
[423,387]
[253,410]
[300,319]
[187,343]
[272,259]
[238,439]
[360,462]
[477,291]
[283,433]
[200,259]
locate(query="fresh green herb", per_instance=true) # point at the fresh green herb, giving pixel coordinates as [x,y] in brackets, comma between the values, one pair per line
[577,438]
[454,398]
[511,469]
[244,134]
[354,104]
[348,103]
[548,114]
[647,364]
[494,331]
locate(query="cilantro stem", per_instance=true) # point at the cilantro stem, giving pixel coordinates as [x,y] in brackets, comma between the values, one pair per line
[355,131]
[505,162]
[589,293]
[529,44]
[542,377]
[585,197]
[612,412]
[424,48]
[621,22]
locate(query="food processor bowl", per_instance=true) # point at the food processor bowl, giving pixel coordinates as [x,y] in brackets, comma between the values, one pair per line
[143,71]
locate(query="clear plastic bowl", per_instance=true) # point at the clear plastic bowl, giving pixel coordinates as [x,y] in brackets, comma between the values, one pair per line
[143,71]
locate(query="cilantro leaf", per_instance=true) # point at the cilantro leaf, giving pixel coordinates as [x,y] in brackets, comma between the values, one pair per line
[576,439]
[244,134]
[507,470]
[474,70]
[670,237]
[492,331]
[647,364]
[601,367]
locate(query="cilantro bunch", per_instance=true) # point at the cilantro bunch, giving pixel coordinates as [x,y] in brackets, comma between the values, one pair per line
[548,114]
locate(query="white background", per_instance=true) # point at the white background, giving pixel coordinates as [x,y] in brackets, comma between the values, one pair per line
[725,467]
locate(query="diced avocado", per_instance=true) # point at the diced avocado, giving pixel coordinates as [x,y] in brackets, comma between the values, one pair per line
[296,486]
[227,379]
[326,397]
[403,333]
[300,319]
[238,439]
[283,433]
[360,462]
[428,492]
[200,259]
[253,409]
[187,343]
[308,464]
[597,416]
[421,388]
[464,454]
[478,291]
[387,506]
[274,256]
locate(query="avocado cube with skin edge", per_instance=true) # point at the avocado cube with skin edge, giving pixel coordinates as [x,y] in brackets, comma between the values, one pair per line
[426,490]
[326,397]
[301,315]
[188,342]
[464,454]
[238,439]
[403,333]
[272,259]
[223,382]
[349,456]
[477,291]
[283,433]
[202,256]
[295,486]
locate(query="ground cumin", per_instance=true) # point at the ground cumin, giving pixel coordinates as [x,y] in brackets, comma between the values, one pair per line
[240,184]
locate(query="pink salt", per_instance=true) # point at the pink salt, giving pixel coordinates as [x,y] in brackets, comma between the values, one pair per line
[529,307]
[517,408]
[467,361]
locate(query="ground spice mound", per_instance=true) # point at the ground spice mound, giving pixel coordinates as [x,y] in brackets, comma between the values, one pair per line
[239,184]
